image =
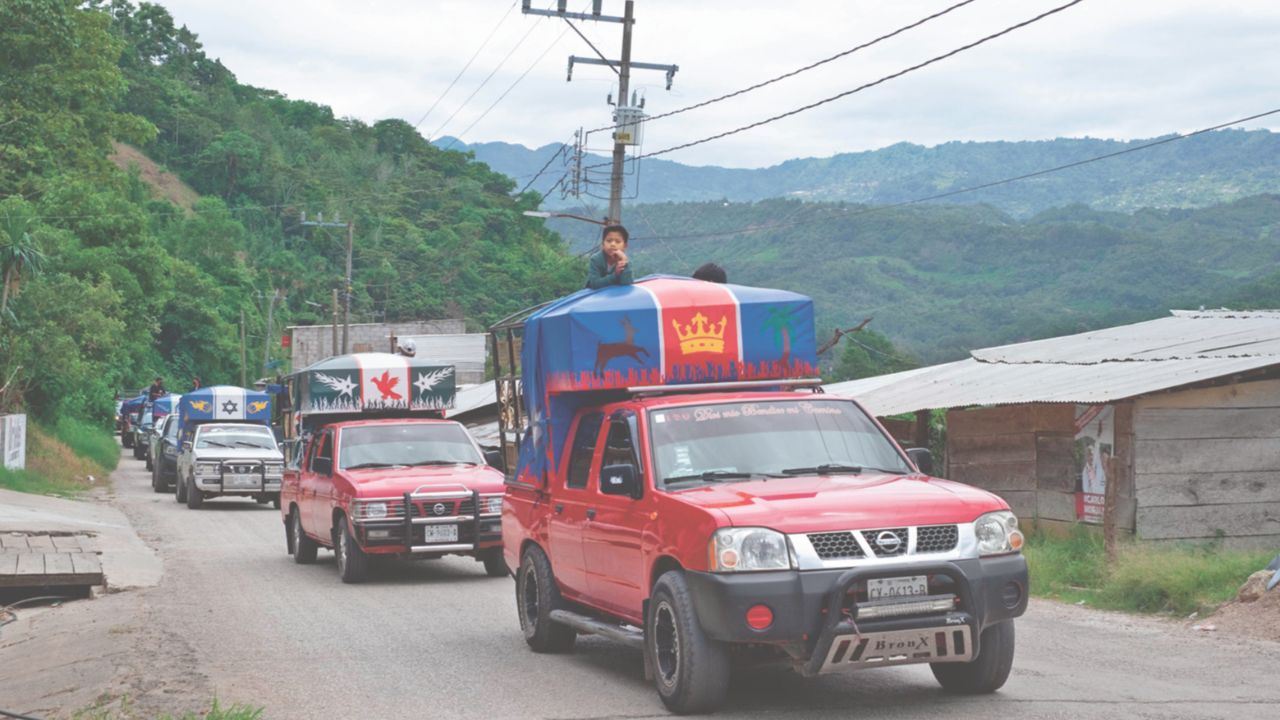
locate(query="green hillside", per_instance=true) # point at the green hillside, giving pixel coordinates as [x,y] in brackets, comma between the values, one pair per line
[940,280]
[106,284]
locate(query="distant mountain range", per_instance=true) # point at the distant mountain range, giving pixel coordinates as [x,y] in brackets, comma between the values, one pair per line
[1216,167]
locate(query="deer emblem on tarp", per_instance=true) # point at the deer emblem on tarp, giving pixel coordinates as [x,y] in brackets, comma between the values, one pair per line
[627,348]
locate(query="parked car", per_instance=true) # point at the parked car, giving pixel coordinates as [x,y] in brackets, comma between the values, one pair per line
[226,447]
[142,434]
[407,484]
[684,502]
[130,411]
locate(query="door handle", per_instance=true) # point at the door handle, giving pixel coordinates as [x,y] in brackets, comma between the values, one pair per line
[559,508]
[591,513]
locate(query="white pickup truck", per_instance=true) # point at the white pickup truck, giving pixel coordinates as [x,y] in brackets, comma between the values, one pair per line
[229,458]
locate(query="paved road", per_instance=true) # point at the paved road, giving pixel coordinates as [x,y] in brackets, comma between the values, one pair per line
[234,615]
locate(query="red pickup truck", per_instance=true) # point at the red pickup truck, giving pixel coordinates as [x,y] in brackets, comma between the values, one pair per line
[373,478]
[686,518]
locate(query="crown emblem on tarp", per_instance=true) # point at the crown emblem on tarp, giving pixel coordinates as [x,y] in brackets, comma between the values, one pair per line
[701,337]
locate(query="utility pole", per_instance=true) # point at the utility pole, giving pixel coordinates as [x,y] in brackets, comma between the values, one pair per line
[244,377]
[334,346]
[627,116]
[350,225]
[266,336]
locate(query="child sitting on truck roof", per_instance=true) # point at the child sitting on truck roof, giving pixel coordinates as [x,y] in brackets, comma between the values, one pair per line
[610,266]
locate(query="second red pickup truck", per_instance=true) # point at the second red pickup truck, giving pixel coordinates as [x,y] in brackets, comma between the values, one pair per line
[376,470]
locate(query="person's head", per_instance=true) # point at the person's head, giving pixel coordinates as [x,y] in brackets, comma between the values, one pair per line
[614,240]
[711,272]
[158,380]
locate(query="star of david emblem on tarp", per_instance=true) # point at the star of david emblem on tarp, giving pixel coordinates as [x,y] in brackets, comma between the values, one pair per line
[230,406]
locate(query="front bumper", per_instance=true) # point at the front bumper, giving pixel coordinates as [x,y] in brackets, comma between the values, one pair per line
[408,534]
[813,608]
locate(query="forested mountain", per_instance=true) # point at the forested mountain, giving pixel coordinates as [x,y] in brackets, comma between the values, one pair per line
[940,280]
[1211,168]
[106,285]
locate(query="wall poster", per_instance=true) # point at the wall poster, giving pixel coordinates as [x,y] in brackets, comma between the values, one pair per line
[1094,447]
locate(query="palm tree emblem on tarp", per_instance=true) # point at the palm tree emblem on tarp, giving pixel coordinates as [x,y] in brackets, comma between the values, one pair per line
[779,323]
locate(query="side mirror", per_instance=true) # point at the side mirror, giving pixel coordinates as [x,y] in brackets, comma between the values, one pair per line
[494,459]
[186,446]
[322,466]
[620,480]
[922,458]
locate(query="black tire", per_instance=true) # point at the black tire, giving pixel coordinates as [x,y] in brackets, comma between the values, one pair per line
[353,563]
[126,440]
[988,672]
[179,489]
[137,451]
[301,546]
[262,499]
[149,465]
[195,498]
[690,670]
[275,500]
[494,564]
[536,596]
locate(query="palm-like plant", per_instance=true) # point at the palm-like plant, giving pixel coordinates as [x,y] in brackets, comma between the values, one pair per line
[19,251]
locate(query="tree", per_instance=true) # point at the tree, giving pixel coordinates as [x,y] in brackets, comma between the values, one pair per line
[867,353]
[19,252]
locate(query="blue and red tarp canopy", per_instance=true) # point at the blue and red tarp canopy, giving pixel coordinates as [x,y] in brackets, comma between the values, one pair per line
[133,405]
[224,403]
[662,330]
[164,405]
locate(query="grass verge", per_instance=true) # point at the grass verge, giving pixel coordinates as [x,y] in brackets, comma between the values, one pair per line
[56,468]
[1178,579]
[110,709]
[89,441]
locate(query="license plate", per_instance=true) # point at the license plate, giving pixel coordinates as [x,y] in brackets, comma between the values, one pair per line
[889,588]
[242,480]
[440,533]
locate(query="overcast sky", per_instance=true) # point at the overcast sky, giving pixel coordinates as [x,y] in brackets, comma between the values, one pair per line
[1104,68]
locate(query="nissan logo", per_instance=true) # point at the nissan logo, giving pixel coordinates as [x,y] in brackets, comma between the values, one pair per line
[888,541]
[439,509]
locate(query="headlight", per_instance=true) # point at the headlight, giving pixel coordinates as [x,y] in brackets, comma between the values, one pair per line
[997,533]
[375,510]
[207,469]
[491,505]
[275,469]
[748,549]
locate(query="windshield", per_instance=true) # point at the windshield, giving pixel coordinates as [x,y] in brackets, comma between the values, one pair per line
[409,444]
[775,438]
[235,436]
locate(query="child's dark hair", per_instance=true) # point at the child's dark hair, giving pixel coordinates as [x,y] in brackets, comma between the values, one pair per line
[711,272]
[626,236]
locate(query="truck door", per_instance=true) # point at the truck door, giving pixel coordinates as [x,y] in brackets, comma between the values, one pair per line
[615,524]
[316,485]
[569,497]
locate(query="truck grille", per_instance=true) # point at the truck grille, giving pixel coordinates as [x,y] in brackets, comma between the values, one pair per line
[444,508]
[844,545]
[937,538]
[830,546]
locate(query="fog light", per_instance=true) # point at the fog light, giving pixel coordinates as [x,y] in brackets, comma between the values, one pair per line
[1011,595]
[759,617]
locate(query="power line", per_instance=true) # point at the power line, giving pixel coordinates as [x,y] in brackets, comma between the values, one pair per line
[860,88]
[793,73]
[538,174]
[845,214]
[513,85]
[483,45]
[485,81]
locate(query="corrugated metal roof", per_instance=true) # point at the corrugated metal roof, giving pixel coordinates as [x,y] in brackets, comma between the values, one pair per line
[473,397]
[1100,366]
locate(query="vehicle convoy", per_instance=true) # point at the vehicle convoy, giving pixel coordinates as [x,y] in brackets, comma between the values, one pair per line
[683,488]
[379,471]
[226,447]
[142,432]
[164,454]
[161,408]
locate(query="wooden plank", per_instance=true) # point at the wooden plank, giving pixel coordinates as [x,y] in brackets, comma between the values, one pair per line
[899,430]
[1209,521]
[1174,489]
[1055,461]
[9,564]
[1053,417]
[40,543]
[68,543]
[86,563]
[13,541]
[1251,542]
[991,449]
[1056,506]
[997,478]
[1201,423]
[1022,503]
[58,564]
[1261,393]
[1121,470]
[988,421]
[30,564]
[1205,456]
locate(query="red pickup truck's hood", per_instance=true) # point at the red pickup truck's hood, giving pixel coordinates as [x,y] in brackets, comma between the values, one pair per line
[843,502]
[392,482]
